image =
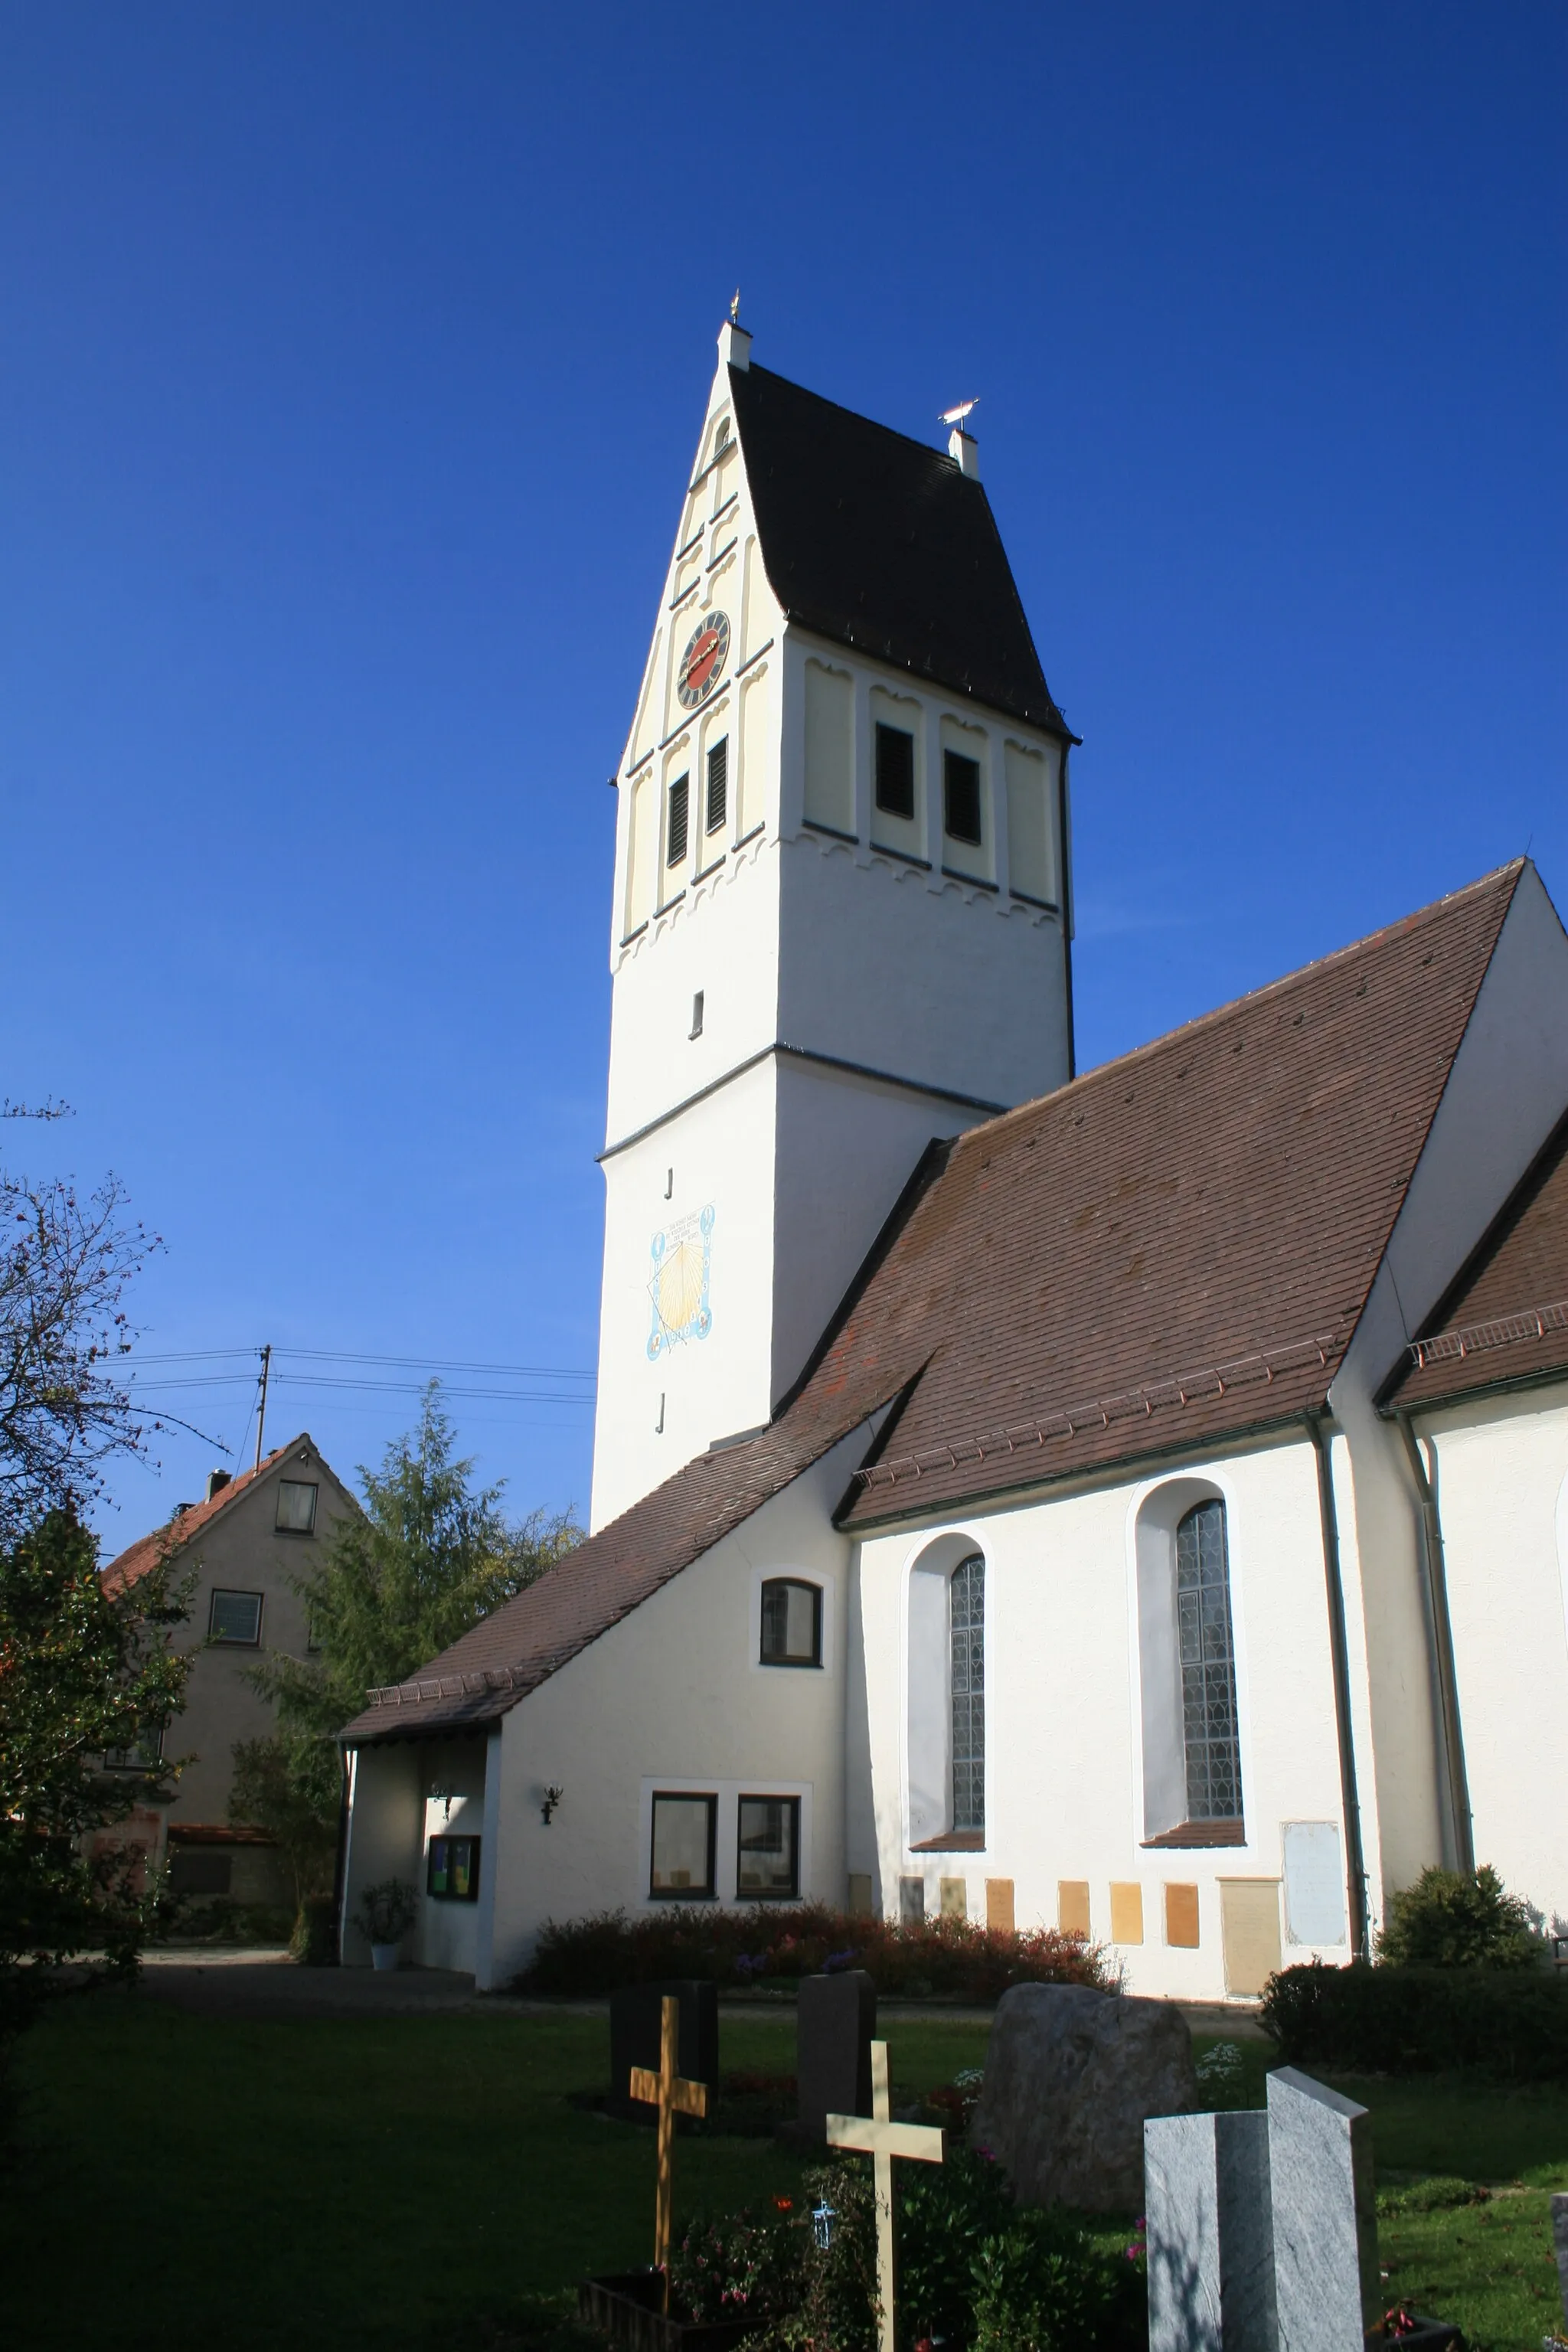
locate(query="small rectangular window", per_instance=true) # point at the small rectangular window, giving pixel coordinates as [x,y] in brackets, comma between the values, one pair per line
[768,1866]
[235,1618]
[718,784]
[683,1838]
[895,772]
[960,797]
[144,1755]
[452,1869]
[696,1028]
[792,1623]
[675,840]
[295,1508]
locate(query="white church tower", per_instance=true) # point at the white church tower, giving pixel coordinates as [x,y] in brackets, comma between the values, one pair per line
[842,906]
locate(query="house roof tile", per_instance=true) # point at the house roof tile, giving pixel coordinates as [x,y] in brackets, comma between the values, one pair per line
[146,1553]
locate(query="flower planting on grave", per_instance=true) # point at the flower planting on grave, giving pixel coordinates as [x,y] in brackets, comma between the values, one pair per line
[774,1945]
[975,2272]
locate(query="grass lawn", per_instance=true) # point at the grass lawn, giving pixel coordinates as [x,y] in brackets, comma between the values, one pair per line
[419,2182]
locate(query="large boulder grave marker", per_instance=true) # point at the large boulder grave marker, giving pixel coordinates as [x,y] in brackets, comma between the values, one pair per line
[1071,2077]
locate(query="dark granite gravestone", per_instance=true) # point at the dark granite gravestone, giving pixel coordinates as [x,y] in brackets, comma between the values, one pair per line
[836,2024]
[637,2013]
[1560,2245]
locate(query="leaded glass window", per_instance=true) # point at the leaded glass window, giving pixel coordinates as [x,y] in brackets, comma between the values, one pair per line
[1209,1666]
[968,1678]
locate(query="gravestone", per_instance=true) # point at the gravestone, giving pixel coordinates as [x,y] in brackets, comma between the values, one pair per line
[836,2024]
[1210,2233]
[1325,2220]
[636,2021]
[1071,2075]
[1559,2244]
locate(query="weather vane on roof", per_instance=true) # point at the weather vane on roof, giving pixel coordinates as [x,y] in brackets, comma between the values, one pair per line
[735,307]
[956,416]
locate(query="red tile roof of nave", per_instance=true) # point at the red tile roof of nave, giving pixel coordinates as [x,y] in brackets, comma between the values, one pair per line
[163,1543]
[1177,1246]
[1507,1318]
[1221,1197]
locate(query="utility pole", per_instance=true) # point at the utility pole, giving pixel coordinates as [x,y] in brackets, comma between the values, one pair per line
[261,1413]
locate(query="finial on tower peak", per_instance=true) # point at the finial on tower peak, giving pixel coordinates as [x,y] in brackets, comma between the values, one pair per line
[962,447]
[734,341]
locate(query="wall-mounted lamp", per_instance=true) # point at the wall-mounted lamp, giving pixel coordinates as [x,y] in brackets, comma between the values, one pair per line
[553,1797]
[443,1796]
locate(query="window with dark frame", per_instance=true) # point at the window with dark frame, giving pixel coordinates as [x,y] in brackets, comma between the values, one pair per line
[684,1831]
[895,772]
[792,1623]
[144,1755]
[452,1869]
[235,1620]
[767,1864]
[718,784]
[960,798]
[1207,1643]
[967,1606]
[675,834]
[295,1508]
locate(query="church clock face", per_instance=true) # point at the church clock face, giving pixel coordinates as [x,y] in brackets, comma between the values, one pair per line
[702,662]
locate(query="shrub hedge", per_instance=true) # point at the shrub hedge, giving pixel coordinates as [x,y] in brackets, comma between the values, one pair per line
[1510,2023]
[773,1943]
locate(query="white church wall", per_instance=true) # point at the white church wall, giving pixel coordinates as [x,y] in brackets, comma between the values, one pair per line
[703,1184]
[1506,1092]
[387,1817]
[1065,1796]
[1501,1474]
[673,1699]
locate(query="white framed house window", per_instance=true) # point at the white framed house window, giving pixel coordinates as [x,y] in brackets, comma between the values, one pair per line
[792,1623]
[296,1506]
[235,1620]
[683,1844]
[767,1866]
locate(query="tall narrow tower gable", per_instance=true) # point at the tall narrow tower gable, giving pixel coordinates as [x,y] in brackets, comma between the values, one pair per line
[841,905]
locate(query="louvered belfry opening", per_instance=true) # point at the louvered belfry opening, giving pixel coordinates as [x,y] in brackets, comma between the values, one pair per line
[1209,1666]
[718,784]
[675,842]
[967,1604]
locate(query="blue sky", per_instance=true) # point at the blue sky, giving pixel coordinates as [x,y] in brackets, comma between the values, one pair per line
[353,360]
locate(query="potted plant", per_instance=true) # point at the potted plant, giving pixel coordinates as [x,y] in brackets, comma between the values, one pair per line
[386,1912]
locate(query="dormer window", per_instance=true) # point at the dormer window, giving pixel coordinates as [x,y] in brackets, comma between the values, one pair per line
[960,798]
[792,1623]
[895,772]
[675,833]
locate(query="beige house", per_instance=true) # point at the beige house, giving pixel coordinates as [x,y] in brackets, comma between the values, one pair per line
[245,1546]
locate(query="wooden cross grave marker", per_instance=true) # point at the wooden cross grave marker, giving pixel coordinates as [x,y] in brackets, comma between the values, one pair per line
[883,2139]
[672,2095]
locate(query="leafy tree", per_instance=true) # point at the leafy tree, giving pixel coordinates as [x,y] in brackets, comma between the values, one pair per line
[65,1259]
[83,1672]
[430,1554]
[280,1786]
[1452,1919]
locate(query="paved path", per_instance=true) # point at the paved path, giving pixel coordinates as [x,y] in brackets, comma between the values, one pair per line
[241,1982]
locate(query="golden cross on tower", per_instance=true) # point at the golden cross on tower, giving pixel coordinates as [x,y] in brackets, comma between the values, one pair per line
[883,2139]
[672,2095]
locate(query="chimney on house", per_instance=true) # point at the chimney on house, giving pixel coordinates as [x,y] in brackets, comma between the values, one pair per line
[965,451]
[218,1480]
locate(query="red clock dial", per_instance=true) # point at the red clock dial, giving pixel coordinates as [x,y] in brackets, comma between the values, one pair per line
[702,662]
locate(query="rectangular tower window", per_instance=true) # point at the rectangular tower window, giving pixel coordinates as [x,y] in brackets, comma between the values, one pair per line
[675,839]
[960,797]
[718,784]
[895,772]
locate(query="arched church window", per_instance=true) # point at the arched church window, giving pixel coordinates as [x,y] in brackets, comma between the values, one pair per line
[968,1683]
[792,1623]
[1207,1651]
